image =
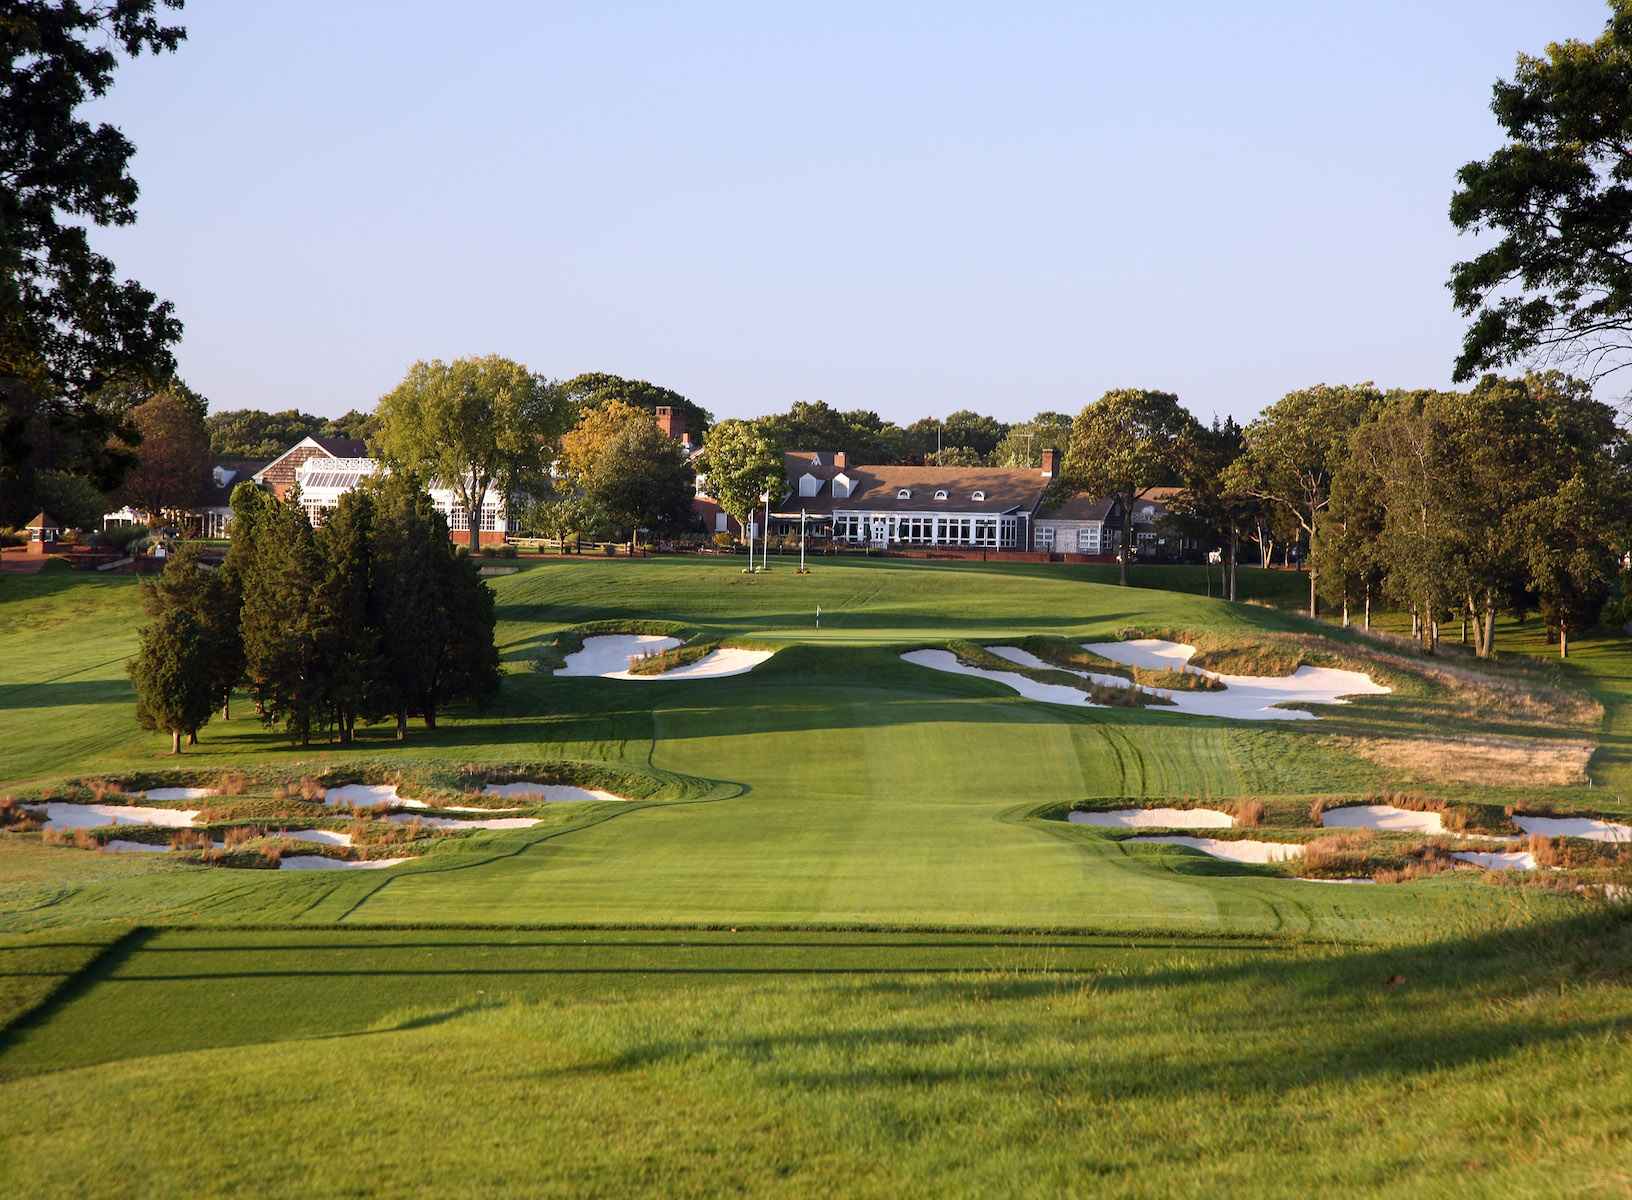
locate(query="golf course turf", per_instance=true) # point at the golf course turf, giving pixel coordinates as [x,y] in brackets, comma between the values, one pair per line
[843,941]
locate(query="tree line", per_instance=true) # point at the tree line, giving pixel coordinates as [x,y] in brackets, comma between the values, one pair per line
[371,616]
[1514,497]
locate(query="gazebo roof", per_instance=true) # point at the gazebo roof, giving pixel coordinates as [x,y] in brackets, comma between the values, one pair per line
[43,521]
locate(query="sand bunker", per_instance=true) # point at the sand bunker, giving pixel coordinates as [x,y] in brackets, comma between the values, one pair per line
[1244,852]
[91,816]
[367,795]
[1168,818]
[1245,697]
[1498,860]
[1307,879]
[540,793]
[327,837]
[460,823]
[1053,693]
[316,862]
[1027,659]
[120,846]
[1581,827]
[177,793]
[607,656]
[1382,816]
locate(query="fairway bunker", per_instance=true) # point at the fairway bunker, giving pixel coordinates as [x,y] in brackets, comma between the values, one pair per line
[1382,817]
[1579,827]
[327,837]
[1245,697]
[177,793]
[60,816]
[540,793]
[1166,818]
[1031,689]
[607,655]
[367,795]
[316,862]
[1242,852]
[1498,860]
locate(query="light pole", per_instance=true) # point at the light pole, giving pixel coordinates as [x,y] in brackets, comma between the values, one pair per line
[764,537]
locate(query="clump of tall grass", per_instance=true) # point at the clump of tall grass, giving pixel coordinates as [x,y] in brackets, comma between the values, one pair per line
[14,818]
[232,783]
[1248,814]
[82,839]
[307,789]
[192,839]
[103,788]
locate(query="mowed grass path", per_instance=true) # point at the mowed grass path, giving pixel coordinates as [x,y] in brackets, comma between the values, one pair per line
[855,788]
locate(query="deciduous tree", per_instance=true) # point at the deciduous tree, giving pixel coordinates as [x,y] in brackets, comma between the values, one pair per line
[174,459]
[1122,445]
[743,462]
[1556,288]
[642,481]
[474,425]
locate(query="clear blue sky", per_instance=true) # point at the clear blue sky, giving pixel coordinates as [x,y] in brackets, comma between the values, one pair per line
[911,208]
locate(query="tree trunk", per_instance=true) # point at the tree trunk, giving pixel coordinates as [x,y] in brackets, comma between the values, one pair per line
[1488,650]
[1563,641]
[402,724]
[226,706]
[1368,606]
[1235,538]
[1345,606]
[175,741]
[192,737]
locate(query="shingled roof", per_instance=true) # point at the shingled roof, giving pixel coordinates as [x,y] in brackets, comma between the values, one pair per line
[878,489]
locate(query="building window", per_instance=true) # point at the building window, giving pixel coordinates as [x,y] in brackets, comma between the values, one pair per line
[1045,537]
[941,495]
[1088,539]
[978,497]
[904,494]
[457,521]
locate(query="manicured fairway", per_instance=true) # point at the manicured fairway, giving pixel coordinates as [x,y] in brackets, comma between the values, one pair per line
[571,1063]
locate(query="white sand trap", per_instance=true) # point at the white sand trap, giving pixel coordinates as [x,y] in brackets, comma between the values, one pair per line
[1382,816]
[124,847]
[1245,697]
[457,823]
[91,816]
[327,837]
[177,793]
[367,795]
[1498,860]
[1581,827]
[542,793]
[1245,852]
[1027,659]
[1053,693]
[607,655]
[1169,818]
[316,862]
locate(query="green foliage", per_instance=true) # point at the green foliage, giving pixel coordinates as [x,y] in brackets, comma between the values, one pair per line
[1024,443]
[350,645]
[1124,444]
[594,389]
[474,425]
[466,666]
[409,539]
[1557,285]
[817,426]
[171,676]
[743,461]
[641,480]
[248,433]
[71,499]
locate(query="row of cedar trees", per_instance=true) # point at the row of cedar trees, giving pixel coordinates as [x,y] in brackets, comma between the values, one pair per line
[372,617]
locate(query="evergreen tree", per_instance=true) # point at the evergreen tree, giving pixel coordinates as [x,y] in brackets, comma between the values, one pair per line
[281,623]
[171,675]
[347,636]
[213,600]
[467,662]
[408,535]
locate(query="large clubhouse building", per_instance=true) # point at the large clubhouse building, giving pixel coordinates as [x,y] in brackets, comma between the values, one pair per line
[958,510]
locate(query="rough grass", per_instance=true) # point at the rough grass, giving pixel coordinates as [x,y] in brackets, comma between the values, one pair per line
[800,1064]
[1490,760]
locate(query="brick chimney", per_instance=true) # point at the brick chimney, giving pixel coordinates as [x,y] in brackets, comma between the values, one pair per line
[672,422]
[1051,463]
[841,460]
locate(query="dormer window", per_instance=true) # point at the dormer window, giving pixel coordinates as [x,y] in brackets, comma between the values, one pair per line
[941,495]
[843,485]
[904,494]
[978,497]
